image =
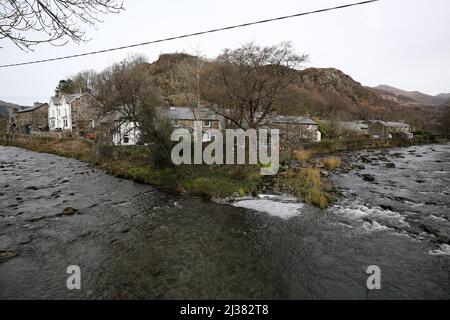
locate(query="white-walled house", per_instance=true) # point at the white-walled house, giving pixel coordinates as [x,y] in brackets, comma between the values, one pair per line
[119,131]
[74,113]
[125,134]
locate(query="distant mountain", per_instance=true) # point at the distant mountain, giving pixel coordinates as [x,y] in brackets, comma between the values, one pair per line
[444,96]
[416,96]
[7,109]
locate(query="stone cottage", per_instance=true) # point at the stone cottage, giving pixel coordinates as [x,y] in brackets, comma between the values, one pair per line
[33,119]
[384,130]
[294,130]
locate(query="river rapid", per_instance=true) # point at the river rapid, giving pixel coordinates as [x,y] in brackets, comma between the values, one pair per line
[132,241]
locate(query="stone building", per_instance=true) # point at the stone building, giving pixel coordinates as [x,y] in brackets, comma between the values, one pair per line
[294,130]
[77,113]
[184,117]
[33,119]
[384,130]
[358,127]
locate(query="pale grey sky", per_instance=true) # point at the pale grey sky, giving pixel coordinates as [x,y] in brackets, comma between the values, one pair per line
[403,43]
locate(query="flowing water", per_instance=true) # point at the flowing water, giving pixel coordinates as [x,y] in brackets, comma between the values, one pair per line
[132,241]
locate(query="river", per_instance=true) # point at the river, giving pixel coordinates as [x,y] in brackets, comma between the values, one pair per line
[132,241]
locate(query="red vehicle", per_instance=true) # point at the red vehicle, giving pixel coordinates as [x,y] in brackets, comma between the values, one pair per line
[90,136]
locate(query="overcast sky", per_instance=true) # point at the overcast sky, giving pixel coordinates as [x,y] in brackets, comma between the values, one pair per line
[403,43]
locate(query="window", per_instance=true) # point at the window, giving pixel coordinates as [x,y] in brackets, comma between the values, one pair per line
[66,124]
[207,124]
[52,123]
[207,137]
[126,139]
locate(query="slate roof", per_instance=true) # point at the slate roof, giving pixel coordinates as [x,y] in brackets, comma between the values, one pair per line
[189,113]
[393,124]
[68,98]
[35,107]
[290,119]
[178,113]
[355,125]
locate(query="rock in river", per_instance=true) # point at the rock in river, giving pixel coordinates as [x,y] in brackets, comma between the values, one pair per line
[69,211]
[368,177]
[7,255]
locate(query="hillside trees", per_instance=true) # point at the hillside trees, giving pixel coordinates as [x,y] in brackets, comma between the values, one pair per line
[247,83]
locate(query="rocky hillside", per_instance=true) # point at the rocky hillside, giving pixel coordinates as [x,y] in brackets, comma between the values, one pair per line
[414,97]
[318,92]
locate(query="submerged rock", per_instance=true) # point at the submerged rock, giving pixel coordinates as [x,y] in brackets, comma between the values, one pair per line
[69,211]
[7,255]
[368,177]
[365,159]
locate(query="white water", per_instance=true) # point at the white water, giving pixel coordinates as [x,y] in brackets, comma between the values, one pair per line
[356,211]
[444,250]
[284,210]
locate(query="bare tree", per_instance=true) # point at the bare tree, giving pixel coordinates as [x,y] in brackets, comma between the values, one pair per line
[247,83]
[30,22]
[129,91]
[127,88]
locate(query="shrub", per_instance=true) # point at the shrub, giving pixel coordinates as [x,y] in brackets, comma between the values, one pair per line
[317,198]
[312,176]
[303,155]
[332,163]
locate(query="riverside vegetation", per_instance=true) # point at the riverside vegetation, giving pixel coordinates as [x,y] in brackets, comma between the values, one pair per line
[306,174]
